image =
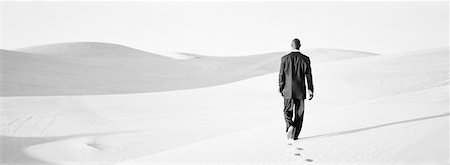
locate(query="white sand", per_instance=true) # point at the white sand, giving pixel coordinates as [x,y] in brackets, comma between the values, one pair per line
[384,109]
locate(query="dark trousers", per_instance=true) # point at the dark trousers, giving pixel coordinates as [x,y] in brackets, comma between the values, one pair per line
[291,107]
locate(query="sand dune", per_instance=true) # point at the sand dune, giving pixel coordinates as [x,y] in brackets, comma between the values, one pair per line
[100,68]
[385,109]
[90,50]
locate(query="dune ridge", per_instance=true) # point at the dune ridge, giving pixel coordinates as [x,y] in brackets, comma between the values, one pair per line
[86,68]
[98,50]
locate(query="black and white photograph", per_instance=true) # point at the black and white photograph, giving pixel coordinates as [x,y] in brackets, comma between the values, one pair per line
[224,82]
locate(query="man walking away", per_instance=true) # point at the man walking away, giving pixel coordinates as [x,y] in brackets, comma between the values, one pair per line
[294,68]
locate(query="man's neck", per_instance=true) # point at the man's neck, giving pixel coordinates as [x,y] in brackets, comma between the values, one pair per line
[295,50]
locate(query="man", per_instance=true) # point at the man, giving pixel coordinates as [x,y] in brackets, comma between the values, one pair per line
[294,68]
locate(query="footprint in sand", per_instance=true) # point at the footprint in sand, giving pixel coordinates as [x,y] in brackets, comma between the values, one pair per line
[309,160]
[299,154]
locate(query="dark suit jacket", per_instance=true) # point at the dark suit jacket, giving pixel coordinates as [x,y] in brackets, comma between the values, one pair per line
[294,68]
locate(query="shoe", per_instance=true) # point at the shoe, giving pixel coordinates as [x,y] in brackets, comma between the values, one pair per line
[290,139]
[290,132]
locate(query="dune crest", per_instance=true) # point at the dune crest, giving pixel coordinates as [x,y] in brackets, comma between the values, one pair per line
[90,68]
[96,50]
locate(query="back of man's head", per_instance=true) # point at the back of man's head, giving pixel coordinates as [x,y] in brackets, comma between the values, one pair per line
[295,43]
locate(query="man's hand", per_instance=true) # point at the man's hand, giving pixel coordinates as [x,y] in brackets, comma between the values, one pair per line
[310,95]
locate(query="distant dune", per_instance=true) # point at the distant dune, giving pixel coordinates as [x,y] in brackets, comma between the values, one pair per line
[86,68]
[92,50]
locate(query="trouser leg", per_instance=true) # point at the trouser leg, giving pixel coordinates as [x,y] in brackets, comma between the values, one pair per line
[299,105]
[288,113]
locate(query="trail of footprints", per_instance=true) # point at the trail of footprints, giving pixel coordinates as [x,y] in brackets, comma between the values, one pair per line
[298,153]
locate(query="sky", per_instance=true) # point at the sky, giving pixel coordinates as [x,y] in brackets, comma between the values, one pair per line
[229,28]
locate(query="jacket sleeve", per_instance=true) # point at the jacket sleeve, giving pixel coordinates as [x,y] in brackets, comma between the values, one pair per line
[281,79]
[309,76]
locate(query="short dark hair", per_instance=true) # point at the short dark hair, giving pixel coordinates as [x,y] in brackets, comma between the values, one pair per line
[296,43]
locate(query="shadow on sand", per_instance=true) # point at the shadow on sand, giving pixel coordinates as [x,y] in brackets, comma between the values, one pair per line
[12,148]
[373,127]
